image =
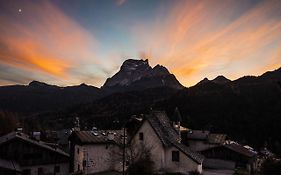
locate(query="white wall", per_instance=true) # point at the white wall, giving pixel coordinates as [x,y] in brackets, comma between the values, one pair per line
[184,165]
[99,158]
[78,158]
[161,156]
[152,142]
[49,169]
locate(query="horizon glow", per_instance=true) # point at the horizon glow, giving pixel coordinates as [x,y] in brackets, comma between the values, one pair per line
[73,42]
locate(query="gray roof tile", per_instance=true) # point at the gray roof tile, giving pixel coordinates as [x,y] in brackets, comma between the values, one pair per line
[168,135]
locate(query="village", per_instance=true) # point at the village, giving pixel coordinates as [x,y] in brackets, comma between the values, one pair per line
[150,143]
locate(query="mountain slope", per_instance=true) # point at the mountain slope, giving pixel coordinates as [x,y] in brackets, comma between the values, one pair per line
[39,97]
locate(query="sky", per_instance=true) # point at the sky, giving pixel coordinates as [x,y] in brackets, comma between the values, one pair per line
[69,42]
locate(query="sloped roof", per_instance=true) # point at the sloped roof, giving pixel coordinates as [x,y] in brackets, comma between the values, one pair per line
[197,135]
[240,149]
[216,138]
[98,137]
[168,135]
[24,137]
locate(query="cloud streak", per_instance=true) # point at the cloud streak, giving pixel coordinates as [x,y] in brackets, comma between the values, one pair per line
[43,39]
[208,38]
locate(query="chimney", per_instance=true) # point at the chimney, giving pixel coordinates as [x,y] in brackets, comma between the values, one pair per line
[177,123]
[36,135]
[77,124]
[19,129]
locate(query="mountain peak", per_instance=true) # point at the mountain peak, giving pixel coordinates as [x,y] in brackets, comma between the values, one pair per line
[132,64]
[160,70]
[205,80]
[221,80]
[35,83]
[140,73]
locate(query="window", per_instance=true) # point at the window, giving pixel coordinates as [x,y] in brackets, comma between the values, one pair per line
[77,150]
[40,171]
[175,156]
[78,167]
[140,136]
[57,169]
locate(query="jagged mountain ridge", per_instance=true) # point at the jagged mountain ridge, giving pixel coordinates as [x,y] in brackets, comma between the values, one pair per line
[138,74]
[37,96]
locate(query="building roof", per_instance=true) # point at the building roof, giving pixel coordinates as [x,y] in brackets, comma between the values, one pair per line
[197,135]
[98,137]
[9,164]
[240,149]
[216,138]
[26,138]
[168,135]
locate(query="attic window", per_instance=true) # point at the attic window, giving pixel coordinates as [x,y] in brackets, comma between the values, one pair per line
[175,156]
[140,136]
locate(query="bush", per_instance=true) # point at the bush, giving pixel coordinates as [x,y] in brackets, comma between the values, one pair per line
[143,166]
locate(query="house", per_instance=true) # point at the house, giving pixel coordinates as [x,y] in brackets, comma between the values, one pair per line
[231,156]
[159,135]
[96,151]
[33,157]
[199,140]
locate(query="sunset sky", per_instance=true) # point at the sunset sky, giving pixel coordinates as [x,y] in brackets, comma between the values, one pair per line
[69,42]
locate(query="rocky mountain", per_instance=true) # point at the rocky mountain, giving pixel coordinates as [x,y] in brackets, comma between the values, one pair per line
[139,75]
[134,75]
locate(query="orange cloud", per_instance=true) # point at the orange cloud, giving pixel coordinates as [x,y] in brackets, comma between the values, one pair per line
[43,39]
[209,38]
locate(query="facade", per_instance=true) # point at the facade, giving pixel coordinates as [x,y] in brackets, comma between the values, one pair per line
[96,151]
[33,157]
[231,156]
[158,135]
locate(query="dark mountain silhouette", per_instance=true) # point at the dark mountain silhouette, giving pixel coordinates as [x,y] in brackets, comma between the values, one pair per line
[134,75]
[39,97]
[139,75]
[221,80]
[218,80]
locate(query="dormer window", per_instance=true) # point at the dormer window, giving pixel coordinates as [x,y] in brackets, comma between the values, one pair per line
[141,136]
